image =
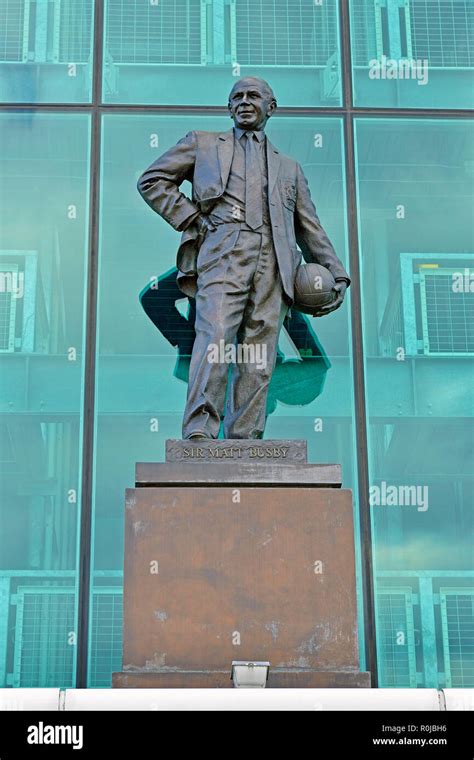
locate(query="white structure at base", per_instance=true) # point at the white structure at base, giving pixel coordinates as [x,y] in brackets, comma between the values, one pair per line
[237,699]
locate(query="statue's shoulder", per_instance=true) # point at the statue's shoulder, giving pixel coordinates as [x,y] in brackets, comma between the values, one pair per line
[205,138]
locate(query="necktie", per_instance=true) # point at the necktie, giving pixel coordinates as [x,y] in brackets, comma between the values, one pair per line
[253,183]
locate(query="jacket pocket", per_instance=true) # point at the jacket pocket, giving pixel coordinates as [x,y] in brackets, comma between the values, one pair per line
[288,193]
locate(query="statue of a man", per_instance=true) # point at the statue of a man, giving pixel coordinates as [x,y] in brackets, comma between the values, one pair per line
[238,256]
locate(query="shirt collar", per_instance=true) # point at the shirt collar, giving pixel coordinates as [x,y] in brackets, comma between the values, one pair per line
[259,133]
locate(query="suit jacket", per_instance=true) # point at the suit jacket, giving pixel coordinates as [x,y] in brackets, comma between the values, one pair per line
[204,158]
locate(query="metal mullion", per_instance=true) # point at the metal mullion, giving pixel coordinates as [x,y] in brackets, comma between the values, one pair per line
[84,580]
[358,353]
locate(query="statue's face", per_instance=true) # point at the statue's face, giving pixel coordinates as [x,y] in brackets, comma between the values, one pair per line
[250,104]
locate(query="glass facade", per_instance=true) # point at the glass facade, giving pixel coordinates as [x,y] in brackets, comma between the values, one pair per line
[46,51]
[177,52]
[416,243]
[44,196]
[95,357]
[413,53]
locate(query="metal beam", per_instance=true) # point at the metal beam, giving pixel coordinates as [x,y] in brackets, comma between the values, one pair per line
[85,550]
[368,595]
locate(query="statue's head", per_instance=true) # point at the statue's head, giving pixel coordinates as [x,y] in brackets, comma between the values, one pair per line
[251,103]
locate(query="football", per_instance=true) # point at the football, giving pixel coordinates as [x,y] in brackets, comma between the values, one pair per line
[313,288]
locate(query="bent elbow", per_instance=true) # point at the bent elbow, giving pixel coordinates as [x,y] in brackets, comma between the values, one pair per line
[142,184]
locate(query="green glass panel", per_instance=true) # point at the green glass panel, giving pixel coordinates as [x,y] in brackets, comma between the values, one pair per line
[142,375]
[44,197]
[415,189]
[191,51]
[413,53]
[46,51]
[415,186]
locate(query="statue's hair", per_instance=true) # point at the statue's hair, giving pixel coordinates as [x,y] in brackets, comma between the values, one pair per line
[261,82]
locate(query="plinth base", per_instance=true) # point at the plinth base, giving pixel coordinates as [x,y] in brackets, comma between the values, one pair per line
[244,560]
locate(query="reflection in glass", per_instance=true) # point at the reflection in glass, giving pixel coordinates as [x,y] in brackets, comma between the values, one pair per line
[293,382]
[413,53]
[46,51]
[417,253]
[43,244]
[187,51]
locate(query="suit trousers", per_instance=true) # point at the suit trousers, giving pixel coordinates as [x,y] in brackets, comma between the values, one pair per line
[240,308]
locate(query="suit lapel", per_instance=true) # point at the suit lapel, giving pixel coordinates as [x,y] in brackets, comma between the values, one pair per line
[273,165]
[225,151]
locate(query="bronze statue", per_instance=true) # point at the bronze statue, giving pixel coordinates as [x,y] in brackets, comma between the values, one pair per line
[238,257]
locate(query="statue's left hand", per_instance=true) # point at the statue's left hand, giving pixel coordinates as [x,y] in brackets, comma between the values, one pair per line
[340,289]
[204,224]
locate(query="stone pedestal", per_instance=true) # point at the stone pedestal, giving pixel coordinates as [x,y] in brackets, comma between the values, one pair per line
[239,550]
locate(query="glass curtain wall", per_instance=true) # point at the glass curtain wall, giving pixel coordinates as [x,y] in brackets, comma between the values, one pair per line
[44,198]
[122,82]
[415,200]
